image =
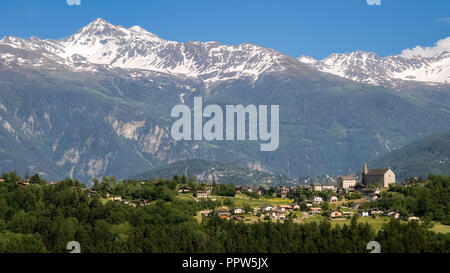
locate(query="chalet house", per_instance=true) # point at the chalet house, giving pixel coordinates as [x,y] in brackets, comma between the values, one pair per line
[334,199]
[205,212]
[255,190]
[115,198]
[183,190]
[141,202]
[348,213]
[346,181]
[23,183]
[378,177]
[265,208]
[278,215]
[202,194]
[317,200]
[413,218]
[281,215]
[393,214]
[328,187]
[315,211]
[286,207]
[376,212]
[237,189]
[335,214]
[224,214]
[238,210]
[295,206]
[364,213]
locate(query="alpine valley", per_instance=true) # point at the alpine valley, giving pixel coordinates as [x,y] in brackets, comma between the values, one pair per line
[98,103]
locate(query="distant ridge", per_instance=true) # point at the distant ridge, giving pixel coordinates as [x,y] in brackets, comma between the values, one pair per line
[208,171]
[430,154]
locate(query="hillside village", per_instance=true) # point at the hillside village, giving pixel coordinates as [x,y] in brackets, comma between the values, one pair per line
[335,201]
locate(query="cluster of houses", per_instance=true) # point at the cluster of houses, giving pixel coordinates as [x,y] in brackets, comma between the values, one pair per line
[275,213]
[132,203]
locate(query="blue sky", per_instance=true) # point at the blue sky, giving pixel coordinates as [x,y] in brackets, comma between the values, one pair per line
[312,27]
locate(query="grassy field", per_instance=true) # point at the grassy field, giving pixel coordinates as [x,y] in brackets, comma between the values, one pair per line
[184,196]
[440,228]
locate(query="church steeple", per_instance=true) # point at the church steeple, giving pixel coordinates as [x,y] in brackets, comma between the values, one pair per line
[364,173]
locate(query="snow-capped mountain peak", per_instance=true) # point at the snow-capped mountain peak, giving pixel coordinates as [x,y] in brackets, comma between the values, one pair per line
[429,65]
[102,43]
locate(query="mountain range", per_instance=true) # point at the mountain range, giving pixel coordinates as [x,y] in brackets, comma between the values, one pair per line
[98,103]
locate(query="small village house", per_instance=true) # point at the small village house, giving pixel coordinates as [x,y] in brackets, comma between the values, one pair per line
[183,190]
[335,214]
[333,199]
[23,183]
[327,187]
[115,198]
[393,214]
[286,207]
[348,213]
[223,214]
[205,213]
[317,200]
[238,210]
[265,208]
[376,212]
[313,211]
[141,202]
[202,194]
[278,214]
